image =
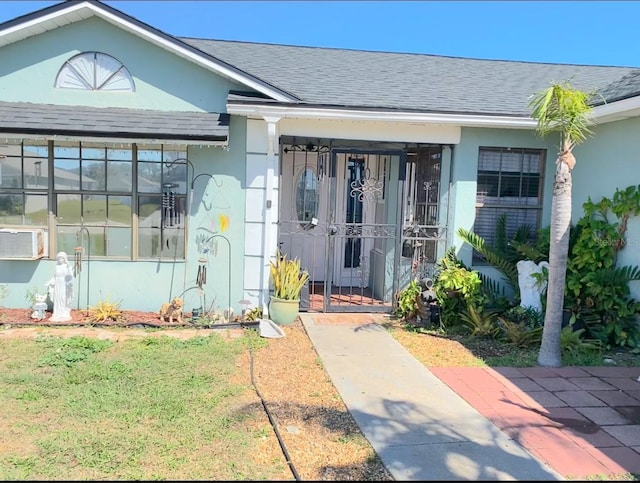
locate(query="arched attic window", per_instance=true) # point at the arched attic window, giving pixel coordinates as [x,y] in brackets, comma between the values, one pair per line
[94,71]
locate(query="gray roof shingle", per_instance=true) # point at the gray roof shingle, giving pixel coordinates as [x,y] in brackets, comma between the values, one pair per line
[414,82]
[25,117]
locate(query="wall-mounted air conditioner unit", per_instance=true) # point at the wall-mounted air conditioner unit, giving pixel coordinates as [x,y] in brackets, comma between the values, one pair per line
[25,244]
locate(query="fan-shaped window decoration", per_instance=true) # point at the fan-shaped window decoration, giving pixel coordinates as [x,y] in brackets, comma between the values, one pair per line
[96,72]
[307,195]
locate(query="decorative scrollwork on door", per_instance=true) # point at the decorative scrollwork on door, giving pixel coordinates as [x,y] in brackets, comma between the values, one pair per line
[367,188]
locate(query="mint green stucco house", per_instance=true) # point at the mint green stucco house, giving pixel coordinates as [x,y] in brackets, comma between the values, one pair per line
[151,159]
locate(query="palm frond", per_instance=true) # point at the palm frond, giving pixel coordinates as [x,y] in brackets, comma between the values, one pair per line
[493,289]
[560,107]
[530,252]
[504,265]
[617,276]
[522,234]
[501,243]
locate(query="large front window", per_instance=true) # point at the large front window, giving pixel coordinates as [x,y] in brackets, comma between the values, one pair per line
[509,184]
[120,201]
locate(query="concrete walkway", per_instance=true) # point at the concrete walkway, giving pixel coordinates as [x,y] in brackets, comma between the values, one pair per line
[419,427]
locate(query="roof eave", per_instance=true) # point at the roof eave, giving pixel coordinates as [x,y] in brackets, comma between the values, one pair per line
[616,111]
[113,137]
[69,12]
[259,110]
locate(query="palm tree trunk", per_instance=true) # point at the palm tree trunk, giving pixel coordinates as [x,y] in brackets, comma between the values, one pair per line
[550,354]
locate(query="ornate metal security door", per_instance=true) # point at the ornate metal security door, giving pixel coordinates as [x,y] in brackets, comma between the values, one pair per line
[365,195]
[424,230]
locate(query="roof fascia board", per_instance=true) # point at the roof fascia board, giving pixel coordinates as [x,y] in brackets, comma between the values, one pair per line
[600,113]
[165,41]
[361,115]
[43,18]
[111,139]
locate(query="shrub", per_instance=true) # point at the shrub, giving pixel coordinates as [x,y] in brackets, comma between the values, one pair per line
[287,277]
[104,311]
[407,301]
[480,320]
[456,288]
[572,341]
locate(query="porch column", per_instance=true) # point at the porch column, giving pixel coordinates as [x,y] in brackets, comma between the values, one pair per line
[444,215]
[270,239]
[261,208]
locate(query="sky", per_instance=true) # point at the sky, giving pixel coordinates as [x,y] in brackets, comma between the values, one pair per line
[568,32]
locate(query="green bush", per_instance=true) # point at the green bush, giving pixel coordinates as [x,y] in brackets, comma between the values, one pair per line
[481,321]
[598,291]
[407,301]
[456,288]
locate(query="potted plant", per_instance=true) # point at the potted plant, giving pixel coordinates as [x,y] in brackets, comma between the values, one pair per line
[288,279]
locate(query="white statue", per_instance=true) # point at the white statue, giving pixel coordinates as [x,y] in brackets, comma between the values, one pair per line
[530,288]
[61,289]
[39,307]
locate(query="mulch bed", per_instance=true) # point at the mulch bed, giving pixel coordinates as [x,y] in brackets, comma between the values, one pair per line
[129,318]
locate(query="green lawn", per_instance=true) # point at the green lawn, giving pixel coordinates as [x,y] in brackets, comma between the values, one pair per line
[155,408]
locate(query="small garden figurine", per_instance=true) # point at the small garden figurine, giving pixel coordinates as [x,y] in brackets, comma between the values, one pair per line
[39,306]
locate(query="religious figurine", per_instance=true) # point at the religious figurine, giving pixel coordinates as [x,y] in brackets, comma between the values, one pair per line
[530,288]
[61,289]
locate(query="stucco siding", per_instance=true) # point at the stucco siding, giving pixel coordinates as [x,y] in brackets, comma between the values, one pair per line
[218,211]
[465,173]
[163,81]
[608,160]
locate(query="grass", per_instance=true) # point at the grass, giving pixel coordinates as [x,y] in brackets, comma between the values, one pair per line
[455,348]
[159,408]
[156,408]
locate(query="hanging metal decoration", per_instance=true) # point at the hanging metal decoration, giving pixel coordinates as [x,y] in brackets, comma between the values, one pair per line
[201,277]
[367,188]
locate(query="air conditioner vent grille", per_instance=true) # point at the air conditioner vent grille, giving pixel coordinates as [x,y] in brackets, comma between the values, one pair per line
[22,244]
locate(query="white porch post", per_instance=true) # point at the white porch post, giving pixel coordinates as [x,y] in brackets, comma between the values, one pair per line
[261,208]
[270,242]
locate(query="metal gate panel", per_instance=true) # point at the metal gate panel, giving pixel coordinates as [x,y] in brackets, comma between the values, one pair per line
[363,233]
[363,222]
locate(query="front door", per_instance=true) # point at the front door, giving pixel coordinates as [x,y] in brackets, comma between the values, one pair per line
[339,212]
[363,230]
[356,197]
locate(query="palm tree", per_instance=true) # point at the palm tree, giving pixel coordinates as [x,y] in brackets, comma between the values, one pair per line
[559,108]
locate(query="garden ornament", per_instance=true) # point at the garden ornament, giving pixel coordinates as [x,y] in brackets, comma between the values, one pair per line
[531,288]
[60,288]
[172,311]
[39,307]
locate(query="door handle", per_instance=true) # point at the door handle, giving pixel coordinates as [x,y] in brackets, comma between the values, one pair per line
[333,229]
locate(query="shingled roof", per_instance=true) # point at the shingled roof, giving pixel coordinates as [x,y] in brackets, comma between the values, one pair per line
[412,82]
[25,117]
[353,79]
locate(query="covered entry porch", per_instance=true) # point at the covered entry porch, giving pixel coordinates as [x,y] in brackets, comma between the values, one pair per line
[364,218]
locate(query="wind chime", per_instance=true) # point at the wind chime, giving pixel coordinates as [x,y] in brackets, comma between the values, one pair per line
[170,214]
[77,261]
[201,277]
[170,211]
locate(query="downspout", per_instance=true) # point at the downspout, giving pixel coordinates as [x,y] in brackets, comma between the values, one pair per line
[271,165]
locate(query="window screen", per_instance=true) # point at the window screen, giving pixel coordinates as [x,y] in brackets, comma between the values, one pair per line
[509,183]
